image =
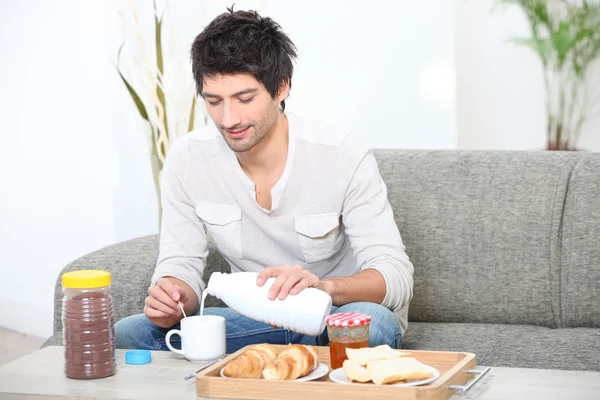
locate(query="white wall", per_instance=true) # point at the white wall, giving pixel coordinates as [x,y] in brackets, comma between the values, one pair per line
[381,68]
[75,174]
[58,166]
[500,93]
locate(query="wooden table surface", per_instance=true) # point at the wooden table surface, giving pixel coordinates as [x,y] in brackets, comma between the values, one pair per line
[40,375]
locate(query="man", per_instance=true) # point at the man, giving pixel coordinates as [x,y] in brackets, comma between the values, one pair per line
[280,195]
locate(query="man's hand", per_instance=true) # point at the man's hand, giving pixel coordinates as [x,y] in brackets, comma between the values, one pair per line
[162,303]
[290,280]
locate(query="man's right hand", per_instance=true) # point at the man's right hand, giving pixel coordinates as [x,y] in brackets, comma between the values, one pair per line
[161,305]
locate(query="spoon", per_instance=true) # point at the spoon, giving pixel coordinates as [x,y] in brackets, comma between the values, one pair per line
[181,306]
[193,374]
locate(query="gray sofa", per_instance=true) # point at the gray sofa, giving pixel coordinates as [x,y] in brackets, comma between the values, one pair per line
[505,245]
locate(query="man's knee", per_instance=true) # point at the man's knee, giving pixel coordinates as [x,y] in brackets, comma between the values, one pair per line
[385,327]
[137,332]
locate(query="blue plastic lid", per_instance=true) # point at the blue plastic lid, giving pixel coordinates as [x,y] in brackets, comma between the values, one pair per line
[138,357]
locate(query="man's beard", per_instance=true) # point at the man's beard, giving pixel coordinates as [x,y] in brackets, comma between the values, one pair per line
[256,133]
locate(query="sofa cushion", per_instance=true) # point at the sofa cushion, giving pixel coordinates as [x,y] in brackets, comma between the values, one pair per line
[520,346]
[580,280]
[482,231]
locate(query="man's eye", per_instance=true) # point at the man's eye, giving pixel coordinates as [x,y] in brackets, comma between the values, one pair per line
[214,103]
[246,100]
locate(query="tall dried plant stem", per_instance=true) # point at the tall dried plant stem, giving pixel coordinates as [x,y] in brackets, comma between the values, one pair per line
[151,97]
[160,140]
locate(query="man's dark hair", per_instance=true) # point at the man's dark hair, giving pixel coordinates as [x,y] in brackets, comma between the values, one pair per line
[244,42]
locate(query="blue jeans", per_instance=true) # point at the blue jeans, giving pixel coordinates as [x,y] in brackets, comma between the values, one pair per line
[137,332]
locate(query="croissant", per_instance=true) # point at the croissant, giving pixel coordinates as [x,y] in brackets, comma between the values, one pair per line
[251,363]
[295,361]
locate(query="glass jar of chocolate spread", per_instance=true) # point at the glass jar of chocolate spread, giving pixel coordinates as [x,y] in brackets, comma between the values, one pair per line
[88,325]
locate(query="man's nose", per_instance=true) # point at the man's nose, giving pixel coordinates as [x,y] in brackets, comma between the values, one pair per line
[231,117]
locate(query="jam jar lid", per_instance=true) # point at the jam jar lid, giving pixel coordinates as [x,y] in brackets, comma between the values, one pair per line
[348,319]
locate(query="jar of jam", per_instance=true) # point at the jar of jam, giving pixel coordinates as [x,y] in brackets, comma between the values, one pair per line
[88,325]
[346,330]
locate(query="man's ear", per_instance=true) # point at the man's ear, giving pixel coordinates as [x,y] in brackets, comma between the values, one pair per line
[284,90]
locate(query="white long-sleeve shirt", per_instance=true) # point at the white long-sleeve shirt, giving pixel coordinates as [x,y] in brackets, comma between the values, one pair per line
[330,212]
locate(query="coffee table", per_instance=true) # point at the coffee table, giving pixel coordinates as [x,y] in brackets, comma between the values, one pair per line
[40,376]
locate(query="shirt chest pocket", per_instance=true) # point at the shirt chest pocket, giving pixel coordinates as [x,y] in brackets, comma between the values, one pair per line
[319,236]
[224,224]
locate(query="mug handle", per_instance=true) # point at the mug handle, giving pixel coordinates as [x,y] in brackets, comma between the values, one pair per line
[168,340]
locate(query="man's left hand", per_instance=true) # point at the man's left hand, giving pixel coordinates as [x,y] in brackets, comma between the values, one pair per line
[290,280]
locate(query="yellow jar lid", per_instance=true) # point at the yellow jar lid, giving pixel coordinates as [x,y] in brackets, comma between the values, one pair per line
[86,279]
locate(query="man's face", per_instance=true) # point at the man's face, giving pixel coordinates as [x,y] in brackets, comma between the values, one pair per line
[242,109]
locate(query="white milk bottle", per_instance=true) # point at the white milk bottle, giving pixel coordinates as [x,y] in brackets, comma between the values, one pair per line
[304,312]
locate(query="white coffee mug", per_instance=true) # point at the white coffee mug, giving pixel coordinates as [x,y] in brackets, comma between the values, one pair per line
[202,337]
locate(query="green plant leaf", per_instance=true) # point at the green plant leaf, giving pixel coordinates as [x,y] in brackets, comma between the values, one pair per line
[542,47]
[536,12]
[134,96]
[586,45]
[158,43]
[136,99]
[562,41]
[192,114]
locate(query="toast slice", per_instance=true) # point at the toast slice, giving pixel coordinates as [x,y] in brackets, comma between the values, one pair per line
[356,372]
[364,355]
[397,369]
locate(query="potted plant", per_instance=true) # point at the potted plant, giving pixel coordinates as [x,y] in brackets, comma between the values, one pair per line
[566,37]
[162,90]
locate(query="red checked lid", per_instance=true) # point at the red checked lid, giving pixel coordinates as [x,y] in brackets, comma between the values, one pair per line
[348,319]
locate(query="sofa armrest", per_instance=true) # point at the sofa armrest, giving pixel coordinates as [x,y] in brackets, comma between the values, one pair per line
[130,263]
[55,340]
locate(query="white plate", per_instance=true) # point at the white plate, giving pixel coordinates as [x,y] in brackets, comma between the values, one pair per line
[321,370]
[339,376]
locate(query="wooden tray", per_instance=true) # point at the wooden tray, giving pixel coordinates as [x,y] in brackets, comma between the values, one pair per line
[453,369]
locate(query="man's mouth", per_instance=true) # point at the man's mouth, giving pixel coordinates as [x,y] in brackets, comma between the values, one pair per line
[237,133]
